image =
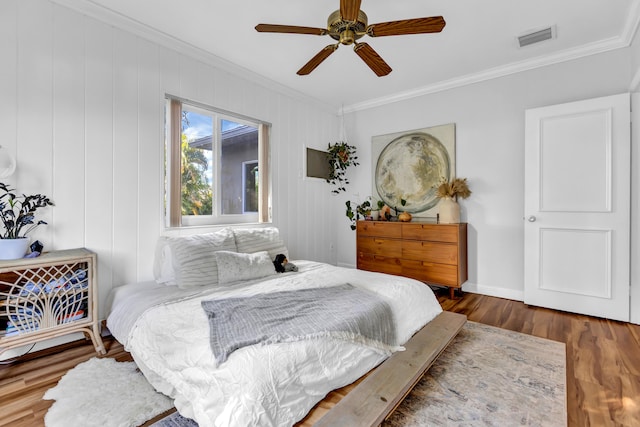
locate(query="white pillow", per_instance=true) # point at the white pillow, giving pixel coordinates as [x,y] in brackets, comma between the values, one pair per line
[193,257]
[251,240]
[235,266]
[163,270]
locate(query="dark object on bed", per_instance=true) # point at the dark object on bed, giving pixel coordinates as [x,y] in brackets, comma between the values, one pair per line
[282,264]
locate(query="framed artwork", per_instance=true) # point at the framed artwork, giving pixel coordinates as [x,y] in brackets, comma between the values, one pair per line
[409,165]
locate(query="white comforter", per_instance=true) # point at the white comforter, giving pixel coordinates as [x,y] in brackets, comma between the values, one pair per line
[260,385]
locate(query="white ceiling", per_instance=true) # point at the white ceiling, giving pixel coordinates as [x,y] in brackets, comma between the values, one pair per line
[478,42]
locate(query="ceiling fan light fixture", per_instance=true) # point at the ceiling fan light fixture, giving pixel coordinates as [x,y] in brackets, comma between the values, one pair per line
[336,26]
[537,36]
[347,25]
[347,37]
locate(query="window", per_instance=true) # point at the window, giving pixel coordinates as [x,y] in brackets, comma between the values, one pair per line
[216,166]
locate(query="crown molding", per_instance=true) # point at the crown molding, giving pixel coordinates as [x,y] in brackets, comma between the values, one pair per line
[117,20]
[493,73]
[631,30]
[623,40]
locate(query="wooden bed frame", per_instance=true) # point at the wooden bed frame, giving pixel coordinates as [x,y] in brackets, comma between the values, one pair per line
[371,399]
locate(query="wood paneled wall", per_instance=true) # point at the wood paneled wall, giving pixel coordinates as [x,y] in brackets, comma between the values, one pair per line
[82,109]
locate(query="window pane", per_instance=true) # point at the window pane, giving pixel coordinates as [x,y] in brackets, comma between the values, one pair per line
[251,179]
[239,148]
[196,163]
[216,167]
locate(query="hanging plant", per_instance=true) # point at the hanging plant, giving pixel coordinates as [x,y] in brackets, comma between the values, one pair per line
[341,156]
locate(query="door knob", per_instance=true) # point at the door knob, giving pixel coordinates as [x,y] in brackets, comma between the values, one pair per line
[531,219]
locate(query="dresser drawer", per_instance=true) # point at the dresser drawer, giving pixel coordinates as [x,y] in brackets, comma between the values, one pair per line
[423,250]
[379,245]
[379,263]
[379,229]
[442,253]
[431,232]
[441,274]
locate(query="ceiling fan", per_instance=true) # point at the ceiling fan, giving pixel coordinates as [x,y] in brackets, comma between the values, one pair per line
[349,24]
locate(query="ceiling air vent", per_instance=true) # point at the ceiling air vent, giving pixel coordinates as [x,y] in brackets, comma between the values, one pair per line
[537,36]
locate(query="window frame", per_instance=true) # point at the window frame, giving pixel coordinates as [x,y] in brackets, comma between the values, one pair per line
[173,217]
[244,165]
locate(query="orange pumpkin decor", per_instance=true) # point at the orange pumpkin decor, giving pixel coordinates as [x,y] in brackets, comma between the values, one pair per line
[385,213]
[404,217]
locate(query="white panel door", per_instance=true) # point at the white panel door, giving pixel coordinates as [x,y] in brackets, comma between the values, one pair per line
[577,207]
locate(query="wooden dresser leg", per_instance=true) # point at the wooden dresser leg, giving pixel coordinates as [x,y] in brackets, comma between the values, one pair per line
[452,292]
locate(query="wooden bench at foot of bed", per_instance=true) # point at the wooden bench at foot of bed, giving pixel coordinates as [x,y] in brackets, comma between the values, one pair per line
[370,400]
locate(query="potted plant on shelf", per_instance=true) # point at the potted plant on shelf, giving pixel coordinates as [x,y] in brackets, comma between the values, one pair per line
[17,213]
[361,210]
[375,213]
[448,193]
[341,156]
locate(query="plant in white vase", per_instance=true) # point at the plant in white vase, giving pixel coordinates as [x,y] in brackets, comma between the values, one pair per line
[448,193]
[17,213]
[375,213]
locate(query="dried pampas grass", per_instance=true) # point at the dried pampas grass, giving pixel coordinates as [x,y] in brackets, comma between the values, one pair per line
[456,188]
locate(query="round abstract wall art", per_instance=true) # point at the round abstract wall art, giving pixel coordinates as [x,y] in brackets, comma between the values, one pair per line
[409,168]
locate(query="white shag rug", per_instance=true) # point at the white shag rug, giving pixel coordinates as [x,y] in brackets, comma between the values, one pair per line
[104,393]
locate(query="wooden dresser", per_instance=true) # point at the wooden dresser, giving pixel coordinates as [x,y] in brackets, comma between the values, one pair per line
[426,251]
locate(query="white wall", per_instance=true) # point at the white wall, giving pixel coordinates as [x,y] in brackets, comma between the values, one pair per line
[635,181]
[82,110]
[635,209]
[489,118]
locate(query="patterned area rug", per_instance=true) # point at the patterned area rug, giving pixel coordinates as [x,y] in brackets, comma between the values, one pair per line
[490,377]
[486,377]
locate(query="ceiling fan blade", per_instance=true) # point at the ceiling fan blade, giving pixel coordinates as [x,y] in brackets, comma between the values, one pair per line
[317,60]
[292,29]
[433,24]
[372,59]
[349,9]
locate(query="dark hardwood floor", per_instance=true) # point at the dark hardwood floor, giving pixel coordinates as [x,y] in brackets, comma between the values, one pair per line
[603,362]
[603,356]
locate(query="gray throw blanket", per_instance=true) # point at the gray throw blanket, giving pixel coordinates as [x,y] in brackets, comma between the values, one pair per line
[342,312]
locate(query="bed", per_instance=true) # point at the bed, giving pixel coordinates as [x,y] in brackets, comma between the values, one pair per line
[165,327]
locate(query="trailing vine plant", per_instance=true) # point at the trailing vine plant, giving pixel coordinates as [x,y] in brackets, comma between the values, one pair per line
[341,156]
[361,211]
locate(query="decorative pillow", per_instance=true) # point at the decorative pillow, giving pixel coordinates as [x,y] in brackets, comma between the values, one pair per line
[193,257]
[163,270]
[235,266]
[251,240]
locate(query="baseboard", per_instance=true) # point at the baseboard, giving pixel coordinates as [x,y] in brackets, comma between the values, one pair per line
[474,288]
[512,294]
[53,345]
